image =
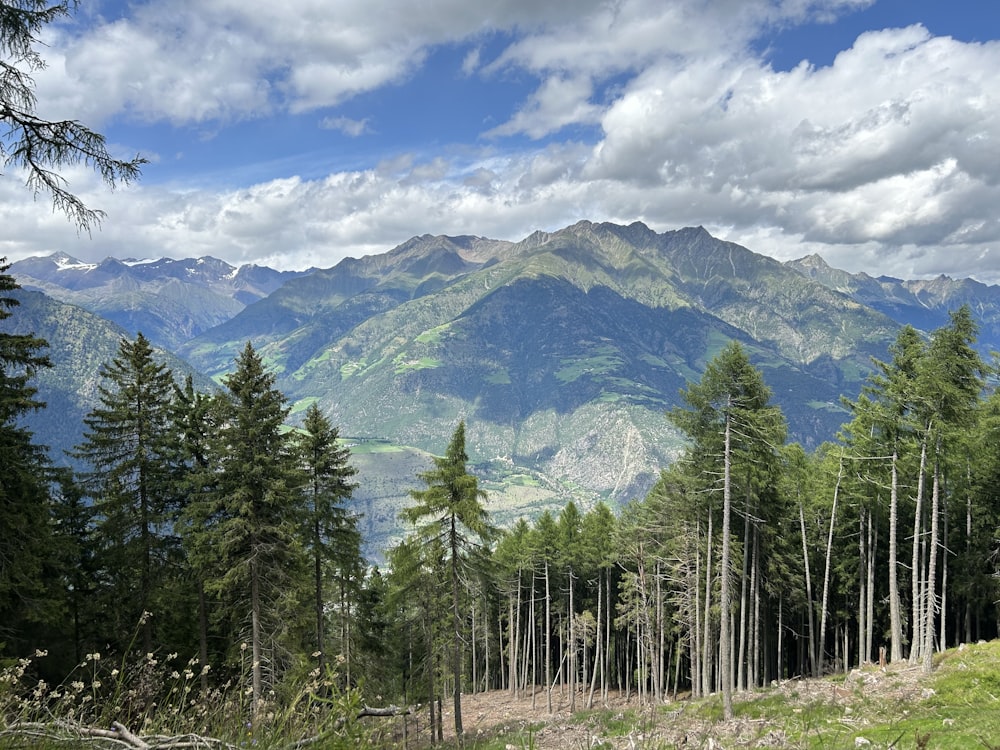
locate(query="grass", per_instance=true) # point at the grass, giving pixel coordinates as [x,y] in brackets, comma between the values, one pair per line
[956,707]
[115,703]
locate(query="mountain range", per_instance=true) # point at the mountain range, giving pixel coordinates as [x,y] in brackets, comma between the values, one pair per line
[563,351]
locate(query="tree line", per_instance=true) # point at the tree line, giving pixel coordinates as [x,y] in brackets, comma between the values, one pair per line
[205,525]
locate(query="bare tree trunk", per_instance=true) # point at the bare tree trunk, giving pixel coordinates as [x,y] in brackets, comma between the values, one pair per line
[809,597]
[741,671]
[708,655]
[755,622]
[829,555]
[862,584]
[931,572]
[694,596]
[598,642]
[318,603]
[202,633]
[571,660]
[533,646]
[725,611]
[870,603]
[548,641]
[916,639]
[895,616]
[255,637]
[456,651]
[943,641]
[606,678]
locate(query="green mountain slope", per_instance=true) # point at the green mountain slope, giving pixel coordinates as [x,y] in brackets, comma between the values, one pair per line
[80,343]
[563,352]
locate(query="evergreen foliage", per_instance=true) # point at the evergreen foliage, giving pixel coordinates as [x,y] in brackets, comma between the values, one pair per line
[750,560]
[126,446]
[449,514]
[41,147]
[24,515]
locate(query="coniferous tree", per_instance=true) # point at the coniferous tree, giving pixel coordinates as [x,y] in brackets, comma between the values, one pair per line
[195,421]
[732,427]
[331,533]
[24,527]
[950,381]
[449,512]
[127,448]
[41,147]
[253,514]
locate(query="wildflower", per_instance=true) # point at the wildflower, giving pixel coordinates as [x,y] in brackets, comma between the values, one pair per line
[97,684]
[188,674]
[204,669]
[77,686]
[175,675]
[114,672]
[317,654]
[40,653]
[171,657]
[243,646]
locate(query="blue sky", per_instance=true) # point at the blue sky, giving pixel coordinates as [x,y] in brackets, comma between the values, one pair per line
[296,135]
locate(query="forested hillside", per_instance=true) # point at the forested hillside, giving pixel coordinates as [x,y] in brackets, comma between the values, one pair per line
[207,559]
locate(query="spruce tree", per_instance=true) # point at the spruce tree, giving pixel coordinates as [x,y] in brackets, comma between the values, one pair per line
[24,527]
[126,446]
[256,514]
[332,538]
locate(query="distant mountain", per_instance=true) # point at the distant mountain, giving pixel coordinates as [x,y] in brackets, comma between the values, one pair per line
[563,352]
[80,343]
[169,301]
[924,304]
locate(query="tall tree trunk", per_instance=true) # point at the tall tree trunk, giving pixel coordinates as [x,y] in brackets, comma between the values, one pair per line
[862,586]
[706,641]
[725,611]
[598,642]
[895,616]
[255,637]
[814,661]
[928,653]
[943,640]
[916,639]
[870,603]
[456,651]
[548,641]
[826,574]
[202,633]
[571,660]
[318,591]
[741,672]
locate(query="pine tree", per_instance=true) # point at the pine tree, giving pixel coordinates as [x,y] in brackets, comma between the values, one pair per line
[126,446]
[450,512]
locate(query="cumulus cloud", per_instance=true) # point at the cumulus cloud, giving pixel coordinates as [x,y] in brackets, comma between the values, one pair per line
[887,159]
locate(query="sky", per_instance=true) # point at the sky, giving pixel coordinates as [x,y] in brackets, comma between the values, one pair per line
[296,134]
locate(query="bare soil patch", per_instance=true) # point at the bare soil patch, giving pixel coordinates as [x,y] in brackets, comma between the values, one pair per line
[623,723]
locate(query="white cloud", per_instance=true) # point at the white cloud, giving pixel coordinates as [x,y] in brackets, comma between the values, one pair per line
[346,125]
[891,151]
